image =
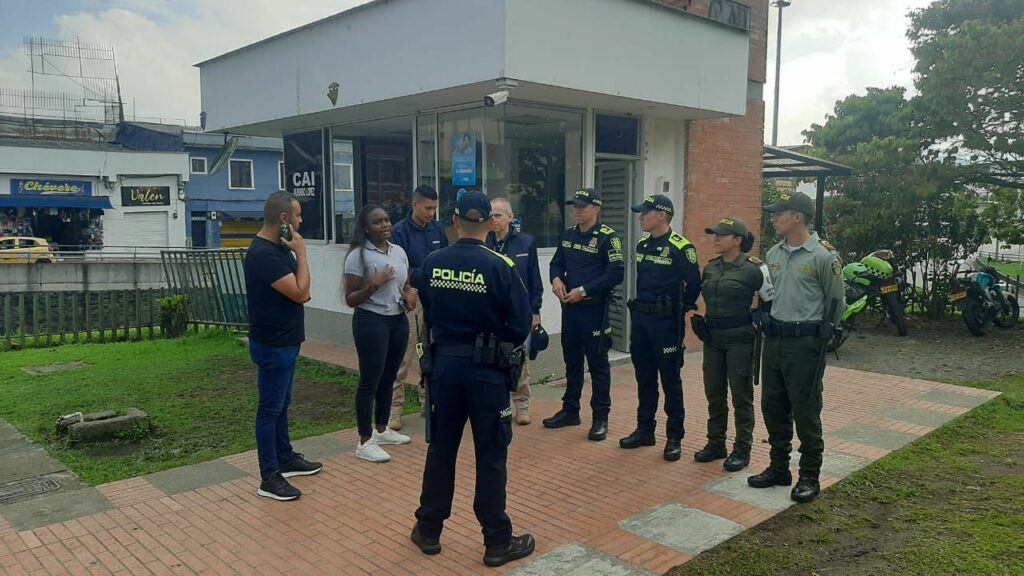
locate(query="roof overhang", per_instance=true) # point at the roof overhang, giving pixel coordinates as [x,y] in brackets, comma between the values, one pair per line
[787,163]
[388,59]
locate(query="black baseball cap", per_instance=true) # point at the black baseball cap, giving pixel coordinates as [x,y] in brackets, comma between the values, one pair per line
[796,201]
[473,206]
[729,225]
[585,196]
[539,341]
[656,202]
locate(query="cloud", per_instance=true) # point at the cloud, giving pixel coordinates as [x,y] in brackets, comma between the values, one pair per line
[827,56]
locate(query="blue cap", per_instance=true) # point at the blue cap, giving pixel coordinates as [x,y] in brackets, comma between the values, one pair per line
[655,202]
[585,196]
[539,341]
[473,206]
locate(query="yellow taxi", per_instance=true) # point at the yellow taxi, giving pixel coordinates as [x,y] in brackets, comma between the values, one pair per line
[25,250]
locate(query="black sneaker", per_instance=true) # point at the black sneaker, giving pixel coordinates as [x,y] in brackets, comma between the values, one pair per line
[806,489]
[710,453]
[562,419]
[598,431]
[518,547]
[278,488]
[736,462]
[770,477]
[299,466]
[428,546]
[637,439]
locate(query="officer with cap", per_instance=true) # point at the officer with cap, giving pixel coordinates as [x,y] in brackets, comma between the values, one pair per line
[809,301]
[478,315]
[586,267]
[731,279]
[667,287]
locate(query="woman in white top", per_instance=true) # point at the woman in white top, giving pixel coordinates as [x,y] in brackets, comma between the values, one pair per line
[377,286]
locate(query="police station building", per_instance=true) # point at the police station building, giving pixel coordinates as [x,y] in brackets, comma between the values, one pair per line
[525,99]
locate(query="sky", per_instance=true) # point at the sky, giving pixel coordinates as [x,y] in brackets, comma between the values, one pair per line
[830,48]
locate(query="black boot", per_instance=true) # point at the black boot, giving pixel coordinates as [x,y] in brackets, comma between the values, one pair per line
[736,462]
[770,477]
[636,440]
[562,419]
[806,489]
[518,547]
[598,431]
[673,449]
[429,546]
[710,453]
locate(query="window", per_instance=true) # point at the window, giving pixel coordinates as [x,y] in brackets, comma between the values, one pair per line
[198,165]
[281,185]
[344,193]
[240,175]
[617,135]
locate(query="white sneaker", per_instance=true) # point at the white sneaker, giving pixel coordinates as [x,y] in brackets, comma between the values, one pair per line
[390,438]
[372,452]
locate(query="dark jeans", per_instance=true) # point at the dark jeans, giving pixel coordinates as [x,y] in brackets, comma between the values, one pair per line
[462,391]
[380,345]
[276,368]
[584,335]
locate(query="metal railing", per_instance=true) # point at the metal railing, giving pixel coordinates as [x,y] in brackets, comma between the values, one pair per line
[77,254]
[213,283]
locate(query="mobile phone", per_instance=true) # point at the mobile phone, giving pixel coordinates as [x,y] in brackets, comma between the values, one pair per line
[286,231]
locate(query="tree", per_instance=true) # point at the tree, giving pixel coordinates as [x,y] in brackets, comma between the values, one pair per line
[970,75]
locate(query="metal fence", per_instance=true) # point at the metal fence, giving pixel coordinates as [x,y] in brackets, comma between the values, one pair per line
[213,283]
[39,319]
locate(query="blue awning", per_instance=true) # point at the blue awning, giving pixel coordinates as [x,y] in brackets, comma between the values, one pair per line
[94,202]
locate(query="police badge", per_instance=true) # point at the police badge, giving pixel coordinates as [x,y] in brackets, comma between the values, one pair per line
[593,243]
[664,251]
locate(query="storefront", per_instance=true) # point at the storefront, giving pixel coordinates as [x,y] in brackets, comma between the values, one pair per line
[83,196]
[515,106]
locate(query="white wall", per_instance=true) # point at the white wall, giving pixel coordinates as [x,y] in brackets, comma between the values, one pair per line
[115,226]
[664,152]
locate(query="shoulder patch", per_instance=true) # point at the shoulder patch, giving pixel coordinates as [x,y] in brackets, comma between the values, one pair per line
[755,260]
[691,254]
[616,243]
[827,245]
[502,256]
[605,229]
[837,268]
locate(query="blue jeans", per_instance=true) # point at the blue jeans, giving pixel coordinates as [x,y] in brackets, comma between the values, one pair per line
[276,370]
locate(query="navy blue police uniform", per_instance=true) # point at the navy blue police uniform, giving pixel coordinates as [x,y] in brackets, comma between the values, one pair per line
[666,270]
[418,241]
[591,259]
[467,290]
[522,250]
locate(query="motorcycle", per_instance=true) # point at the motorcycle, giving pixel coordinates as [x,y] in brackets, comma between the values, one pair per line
[871,283]
[983,302]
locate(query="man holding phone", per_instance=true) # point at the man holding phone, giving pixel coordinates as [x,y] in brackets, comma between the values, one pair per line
[277,283]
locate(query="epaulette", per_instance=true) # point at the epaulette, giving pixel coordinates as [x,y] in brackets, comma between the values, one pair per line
[827,245]
[605,229]
[755,260]
[502,256]
[677,240]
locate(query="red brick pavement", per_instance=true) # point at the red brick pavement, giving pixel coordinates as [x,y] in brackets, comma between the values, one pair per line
[355,517]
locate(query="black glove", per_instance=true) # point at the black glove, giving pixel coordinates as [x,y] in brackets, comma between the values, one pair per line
[700,327]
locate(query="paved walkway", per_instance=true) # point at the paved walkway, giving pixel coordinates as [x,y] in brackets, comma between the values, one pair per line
[595,509]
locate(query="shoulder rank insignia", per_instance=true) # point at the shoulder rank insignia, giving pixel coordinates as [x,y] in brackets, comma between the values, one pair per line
[644,237]
[605,229]
[755,260]
[504,258]
[677,240]
[827,245]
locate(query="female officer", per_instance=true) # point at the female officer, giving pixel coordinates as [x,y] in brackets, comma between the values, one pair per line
[377,286]
[730,281]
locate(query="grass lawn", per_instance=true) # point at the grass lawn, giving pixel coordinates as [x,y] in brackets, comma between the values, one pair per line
[200,392]
[951,503]
[1011,269]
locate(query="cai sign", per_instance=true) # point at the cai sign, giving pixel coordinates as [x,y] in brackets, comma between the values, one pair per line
[145,196]
[26,187]
[304,178]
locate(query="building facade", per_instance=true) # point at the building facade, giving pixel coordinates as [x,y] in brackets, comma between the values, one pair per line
[534,100]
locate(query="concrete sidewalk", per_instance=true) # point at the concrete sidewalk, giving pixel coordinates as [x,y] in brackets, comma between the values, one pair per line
[595,509]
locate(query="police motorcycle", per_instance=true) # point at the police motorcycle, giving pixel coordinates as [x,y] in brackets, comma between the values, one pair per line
[871,283]
[982,301]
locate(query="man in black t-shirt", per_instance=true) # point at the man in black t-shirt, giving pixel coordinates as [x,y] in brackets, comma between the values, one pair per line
[277,284]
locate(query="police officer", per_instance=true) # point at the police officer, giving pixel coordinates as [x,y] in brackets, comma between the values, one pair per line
[808,279]
[586,267]
[472,298]
[731,279]
[522,249]
[667,286]
[418,234]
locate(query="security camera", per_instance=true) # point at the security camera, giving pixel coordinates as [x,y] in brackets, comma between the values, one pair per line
[496,98]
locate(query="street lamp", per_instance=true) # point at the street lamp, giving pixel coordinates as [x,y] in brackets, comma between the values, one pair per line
[778,65]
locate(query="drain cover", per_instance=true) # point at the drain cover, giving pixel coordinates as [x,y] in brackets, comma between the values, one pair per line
[25,488]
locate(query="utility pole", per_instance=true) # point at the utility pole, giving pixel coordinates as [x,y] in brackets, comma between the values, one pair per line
[778,66]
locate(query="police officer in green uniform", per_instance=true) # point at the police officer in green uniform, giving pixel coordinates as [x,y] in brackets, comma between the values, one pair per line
[730,281]
[808,279]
